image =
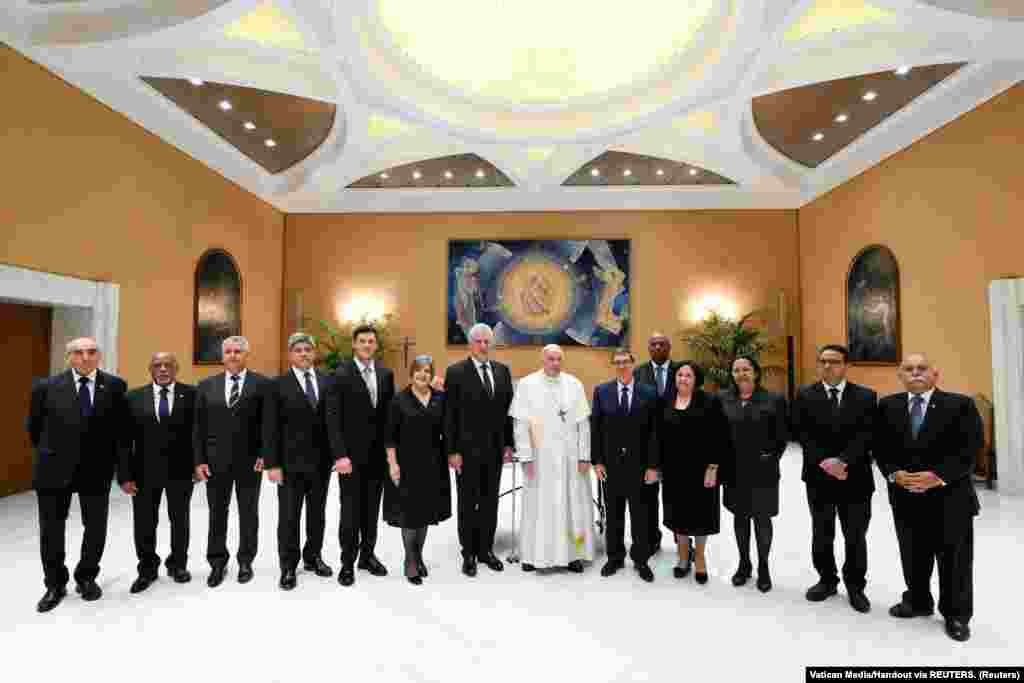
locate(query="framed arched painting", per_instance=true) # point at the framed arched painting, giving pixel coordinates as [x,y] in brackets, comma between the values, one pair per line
[218,305]
[873,307]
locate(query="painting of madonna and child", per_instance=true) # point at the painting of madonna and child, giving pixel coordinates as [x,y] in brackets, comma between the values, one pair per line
[539,292]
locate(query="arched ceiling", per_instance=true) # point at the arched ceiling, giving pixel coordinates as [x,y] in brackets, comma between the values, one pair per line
[531,92]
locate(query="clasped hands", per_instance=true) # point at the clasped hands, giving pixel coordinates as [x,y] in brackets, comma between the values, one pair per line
[835,468]
[917,482]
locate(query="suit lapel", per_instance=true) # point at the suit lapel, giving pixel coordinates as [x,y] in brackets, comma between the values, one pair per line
[301,390]
[71,396]
[477,381]
[219,384]
[148,396]
[932,416]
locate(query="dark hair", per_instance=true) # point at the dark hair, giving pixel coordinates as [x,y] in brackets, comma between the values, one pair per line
[421,362]
[365,329]
[753,363]
[838,348]
[698,372]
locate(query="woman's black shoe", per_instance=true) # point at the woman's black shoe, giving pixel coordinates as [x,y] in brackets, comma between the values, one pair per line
[702,577]
[527,567]
[415,580]
[681,572]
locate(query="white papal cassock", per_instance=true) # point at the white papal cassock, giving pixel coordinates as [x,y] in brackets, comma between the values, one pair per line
[552,429]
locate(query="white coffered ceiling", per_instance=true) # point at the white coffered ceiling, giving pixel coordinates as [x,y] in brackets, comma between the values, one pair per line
[538,88]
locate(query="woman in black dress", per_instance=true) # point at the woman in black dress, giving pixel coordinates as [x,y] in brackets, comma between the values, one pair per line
[759,436]
[418,466]
[694,438]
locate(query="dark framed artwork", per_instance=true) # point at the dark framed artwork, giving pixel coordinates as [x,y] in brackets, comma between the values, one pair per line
[218,305]
[538,292]
[873,308]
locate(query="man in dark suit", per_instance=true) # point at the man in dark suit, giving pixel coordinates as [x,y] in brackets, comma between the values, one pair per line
[625,455]
[660,373]
[479,439]
[297,457]
[925,444]
[75,424]
[357,415]
[159,460]
[227,440]
[834,422]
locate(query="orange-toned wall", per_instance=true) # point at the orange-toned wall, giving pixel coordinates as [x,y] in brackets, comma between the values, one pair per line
[951,208]
[401,259]
[88,193]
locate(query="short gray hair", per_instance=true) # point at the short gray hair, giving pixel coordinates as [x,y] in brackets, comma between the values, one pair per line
[301,338]
[73,345]
[478,329]
[238,340]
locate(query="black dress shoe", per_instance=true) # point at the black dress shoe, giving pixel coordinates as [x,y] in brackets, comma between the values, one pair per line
[645,572]
[860,602]
[469,566]
[527,567]
[958,630]
[346,575]
[179,574]
[821,591]
[244,572]
[902,610]
[702,577]
[492,562]
[576,567]
[682,572]
[51,599]
[741,576]
[89,591]
[142,583]
[319,567]
[421,569]
[415,580]
[288,580]
[371,564]
[611,566]
[764,580]
[216,577]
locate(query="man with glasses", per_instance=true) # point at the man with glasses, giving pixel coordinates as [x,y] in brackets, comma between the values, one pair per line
[833,419]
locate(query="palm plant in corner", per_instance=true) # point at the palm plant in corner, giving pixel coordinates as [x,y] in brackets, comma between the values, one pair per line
[716,341]
[334,343]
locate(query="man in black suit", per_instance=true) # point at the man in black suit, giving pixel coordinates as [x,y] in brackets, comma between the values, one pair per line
[227,440]
[297,457]
[479,439]
[660,373]
[625,455]
[357,415]
[159,460]
[834,422]
[925,444]
[75,424]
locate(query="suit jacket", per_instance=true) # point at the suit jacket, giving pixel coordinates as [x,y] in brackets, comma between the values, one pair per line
[229,438]
[355,428]
[947,444]
[760,433]
[627,445]
[476,425]
[294,432]
[158,452]
[848,438]
[645,375]
[63,438]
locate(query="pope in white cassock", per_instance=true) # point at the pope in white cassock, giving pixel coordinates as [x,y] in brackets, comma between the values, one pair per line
[552,434]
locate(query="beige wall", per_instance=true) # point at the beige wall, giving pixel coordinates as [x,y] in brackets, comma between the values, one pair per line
[88,193]
[950,207]
[401,260]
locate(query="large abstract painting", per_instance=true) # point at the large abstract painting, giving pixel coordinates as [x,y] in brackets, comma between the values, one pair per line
[873,308]
[218,305]
[537,292]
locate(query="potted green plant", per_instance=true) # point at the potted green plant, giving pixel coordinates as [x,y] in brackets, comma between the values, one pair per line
[717,340]
[334,343]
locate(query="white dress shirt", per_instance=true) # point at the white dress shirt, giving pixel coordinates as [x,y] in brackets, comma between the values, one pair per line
[91,385]
[170,399]
[828,390]
[667,365]
[300,375]
[927,396]
[228,384]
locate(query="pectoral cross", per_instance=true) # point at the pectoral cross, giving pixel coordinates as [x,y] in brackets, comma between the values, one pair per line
[562,413]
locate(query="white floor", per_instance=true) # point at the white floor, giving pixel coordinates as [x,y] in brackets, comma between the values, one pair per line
[497,627]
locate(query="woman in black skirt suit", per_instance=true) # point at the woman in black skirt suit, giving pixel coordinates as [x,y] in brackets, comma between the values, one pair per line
[759,435]
[694,437]
[421,494]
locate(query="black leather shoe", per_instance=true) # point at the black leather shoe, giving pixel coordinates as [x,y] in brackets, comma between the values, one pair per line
[611,566]
[527,567]
[860,602]
[319,567]
[179,574]
[421,568]
[216,577]
[89,590]
[958,630]
[371,564]
[702,577]
[51,599]
[576,566]
[142,583]
[902,610]
[288,580]
[491,562]
[244,572]
[469,566]
[346,575]
[415,580]
[741,576]
[681,572]
[821,591]
[645,572]
[764,580]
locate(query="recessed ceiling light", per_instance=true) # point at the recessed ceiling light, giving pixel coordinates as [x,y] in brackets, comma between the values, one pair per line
[869,96]
[903,71]
[448,175]
[269,143]
[660,172]
[416,175]
[195,81]
[225,105]
[693,171]
[384,176]
[818,137]
[479,173]
[842,118]
[627,172]
[249,125]
[595,172]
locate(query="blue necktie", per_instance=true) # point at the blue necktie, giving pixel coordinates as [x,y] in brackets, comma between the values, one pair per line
[84,400]
[661,380]
[310,393]
[916,415]
[165,406]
